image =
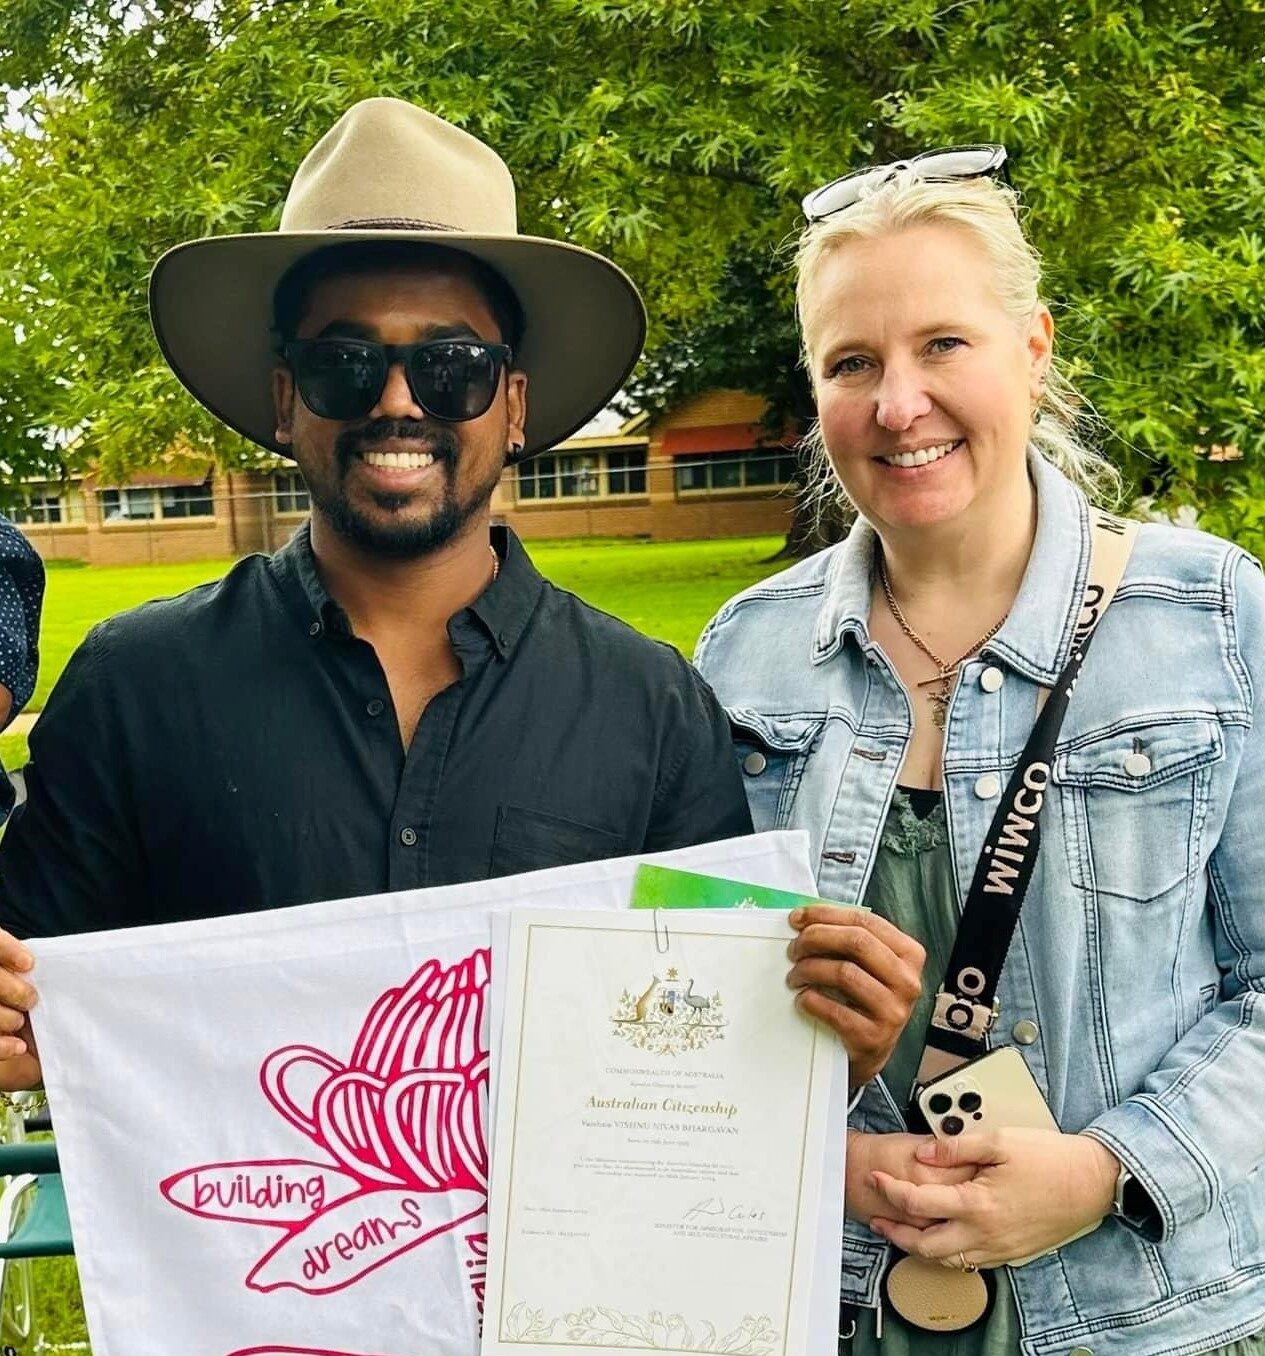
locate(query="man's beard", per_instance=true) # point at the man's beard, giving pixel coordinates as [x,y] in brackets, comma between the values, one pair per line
[399,537]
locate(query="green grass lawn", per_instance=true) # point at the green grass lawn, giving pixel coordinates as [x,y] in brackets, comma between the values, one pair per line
[667,590]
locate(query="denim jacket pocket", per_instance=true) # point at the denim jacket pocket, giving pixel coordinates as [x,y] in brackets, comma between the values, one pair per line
[772,751]
[1132,792]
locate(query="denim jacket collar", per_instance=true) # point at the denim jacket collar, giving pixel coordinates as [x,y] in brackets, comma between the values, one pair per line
[1036,639]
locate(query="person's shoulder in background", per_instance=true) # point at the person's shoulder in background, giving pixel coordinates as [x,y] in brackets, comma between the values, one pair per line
[21,599]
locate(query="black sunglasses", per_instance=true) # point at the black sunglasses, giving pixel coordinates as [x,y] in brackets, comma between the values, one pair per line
[451,379]
[950,162]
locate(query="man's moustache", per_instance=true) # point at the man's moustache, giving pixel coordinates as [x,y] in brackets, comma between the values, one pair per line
[440,441]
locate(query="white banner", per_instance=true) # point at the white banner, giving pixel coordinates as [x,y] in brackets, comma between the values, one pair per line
[273,1127]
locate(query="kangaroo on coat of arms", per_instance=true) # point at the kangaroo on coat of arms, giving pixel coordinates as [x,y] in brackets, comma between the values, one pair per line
[668,1017]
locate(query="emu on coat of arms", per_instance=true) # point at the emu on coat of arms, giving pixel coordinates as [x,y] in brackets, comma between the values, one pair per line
[668,1017]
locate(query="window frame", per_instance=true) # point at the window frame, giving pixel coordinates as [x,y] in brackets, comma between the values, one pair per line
[38,501]
[781,458]
[551,472]
[298,490]
[125,493]
[185,494]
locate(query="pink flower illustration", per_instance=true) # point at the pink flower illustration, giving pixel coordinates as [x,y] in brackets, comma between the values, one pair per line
[401,1127]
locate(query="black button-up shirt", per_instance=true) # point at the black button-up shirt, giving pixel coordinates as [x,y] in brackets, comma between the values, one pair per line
[236,749]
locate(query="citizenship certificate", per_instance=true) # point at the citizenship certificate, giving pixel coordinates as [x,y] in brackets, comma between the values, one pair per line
[668,1144]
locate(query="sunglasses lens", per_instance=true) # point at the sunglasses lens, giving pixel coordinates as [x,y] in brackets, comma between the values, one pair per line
[834,197]
[959,162]
[339,380]
[455,381]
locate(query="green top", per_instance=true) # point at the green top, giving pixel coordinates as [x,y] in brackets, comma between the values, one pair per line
[913,887]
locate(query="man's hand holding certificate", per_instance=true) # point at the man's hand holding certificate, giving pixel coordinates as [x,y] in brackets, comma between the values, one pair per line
[668,1140]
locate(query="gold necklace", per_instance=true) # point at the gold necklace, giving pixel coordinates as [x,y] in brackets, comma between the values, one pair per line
[496,564]
[939,699]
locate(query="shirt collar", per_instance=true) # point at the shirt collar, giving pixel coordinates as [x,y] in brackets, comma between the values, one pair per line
[501,611]
[1036,639]
[505,607]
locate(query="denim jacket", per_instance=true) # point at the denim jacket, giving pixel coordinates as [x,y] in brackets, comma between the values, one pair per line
[1139,960]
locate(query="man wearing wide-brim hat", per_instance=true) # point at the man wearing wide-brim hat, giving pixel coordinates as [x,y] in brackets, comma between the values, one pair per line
[396,698]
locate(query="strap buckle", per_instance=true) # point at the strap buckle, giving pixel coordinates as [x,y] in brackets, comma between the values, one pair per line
[964,1017]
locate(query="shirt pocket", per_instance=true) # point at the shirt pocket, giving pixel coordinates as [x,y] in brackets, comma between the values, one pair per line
[530,840]
[1130,814]
[772,752]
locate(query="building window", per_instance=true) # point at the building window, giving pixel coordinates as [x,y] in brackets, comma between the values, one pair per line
[626,472]
[168,502]
[128,506]
[39,508]
[289,492]
[752,469]
[187,501]
[693,473]
[579,477]
[42,505]
[586,475]
[560,477]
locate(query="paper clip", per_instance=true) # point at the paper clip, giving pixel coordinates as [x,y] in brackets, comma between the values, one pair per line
[662,944]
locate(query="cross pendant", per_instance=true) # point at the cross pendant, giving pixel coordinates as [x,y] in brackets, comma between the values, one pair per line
[940,698]
[939,706]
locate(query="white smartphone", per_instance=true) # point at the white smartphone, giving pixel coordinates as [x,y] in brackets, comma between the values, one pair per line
[995,1091]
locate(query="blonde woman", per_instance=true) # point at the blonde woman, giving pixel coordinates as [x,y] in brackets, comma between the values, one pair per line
[881,694]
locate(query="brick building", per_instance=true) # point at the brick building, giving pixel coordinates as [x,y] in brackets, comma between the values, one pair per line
[705,469]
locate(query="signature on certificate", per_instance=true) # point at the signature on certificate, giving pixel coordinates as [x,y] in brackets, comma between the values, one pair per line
[716,1207]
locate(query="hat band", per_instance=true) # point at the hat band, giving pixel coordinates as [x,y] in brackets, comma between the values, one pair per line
[390,224]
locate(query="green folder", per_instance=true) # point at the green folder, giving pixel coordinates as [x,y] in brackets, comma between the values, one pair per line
[662,887]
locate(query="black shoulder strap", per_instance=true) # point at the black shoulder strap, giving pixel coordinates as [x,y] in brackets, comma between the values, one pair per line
[965,1007]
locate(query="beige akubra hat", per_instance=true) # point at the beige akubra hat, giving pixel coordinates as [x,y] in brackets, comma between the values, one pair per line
[390,171]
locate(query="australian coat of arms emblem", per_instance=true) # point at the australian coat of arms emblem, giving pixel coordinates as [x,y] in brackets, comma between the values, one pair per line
[668,1017]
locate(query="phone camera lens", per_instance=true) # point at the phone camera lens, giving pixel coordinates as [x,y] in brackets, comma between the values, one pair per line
[953,1125]
[940,1102]
[970,1101]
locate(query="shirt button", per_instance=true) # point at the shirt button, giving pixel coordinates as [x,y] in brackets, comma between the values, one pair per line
[1025,1031]
[375,707]
[408,836]
[754,763]
[988,787]
[314,629]
[991,679]
[1137,765]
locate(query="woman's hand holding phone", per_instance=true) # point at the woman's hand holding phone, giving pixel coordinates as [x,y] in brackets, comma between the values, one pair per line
[897,1156]
[1032,1190]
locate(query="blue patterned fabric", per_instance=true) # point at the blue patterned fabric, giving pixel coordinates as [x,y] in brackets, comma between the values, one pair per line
[21,598]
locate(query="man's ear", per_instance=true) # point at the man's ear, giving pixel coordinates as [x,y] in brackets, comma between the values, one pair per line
[516,409]
[283,396]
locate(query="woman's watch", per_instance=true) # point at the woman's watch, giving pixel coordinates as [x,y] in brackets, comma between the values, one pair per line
[1131,1201]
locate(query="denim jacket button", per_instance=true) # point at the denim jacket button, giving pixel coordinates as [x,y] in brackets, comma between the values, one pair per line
[1025,1031]
[1080,1351]
[1137,764]
[988,787]
[754,763]
[991,679]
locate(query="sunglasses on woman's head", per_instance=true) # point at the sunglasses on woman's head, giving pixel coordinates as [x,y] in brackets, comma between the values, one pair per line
[451,379]
[951,162]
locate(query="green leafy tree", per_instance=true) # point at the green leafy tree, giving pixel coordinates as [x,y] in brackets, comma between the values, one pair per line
[676,136]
